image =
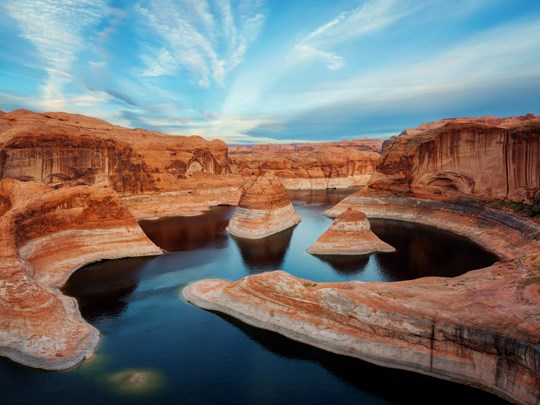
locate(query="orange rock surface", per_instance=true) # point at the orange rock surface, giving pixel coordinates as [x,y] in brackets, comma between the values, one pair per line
[63,149]
[349,234]
[482,328]
[45,235]
[263,210]
[311,165]
[487,157]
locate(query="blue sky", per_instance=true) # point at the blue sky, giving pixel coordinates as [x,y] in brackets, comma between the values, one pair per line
[271,70]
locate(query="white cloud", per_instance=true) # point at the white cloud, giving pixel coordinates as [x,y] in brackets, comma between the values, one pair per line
[350,25]
[207,40]
[56,28]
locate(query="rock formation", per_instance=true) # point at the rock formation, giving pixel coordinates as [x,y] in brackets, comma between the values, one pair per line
[486,157]
[311,165]
[63,149]
[482,328]
[349,234]
[45,235]
[264,209]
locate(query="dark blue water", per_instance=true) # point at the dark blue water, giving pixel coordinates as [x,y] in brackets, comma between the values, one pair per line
[194,356]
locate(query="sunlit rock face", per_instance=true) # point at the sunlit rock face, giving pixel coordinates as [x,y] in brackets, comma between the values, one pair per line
[45,235]
[264,209]
[349,234]
[312,165]
[482,328]
[486,157]
[69,149]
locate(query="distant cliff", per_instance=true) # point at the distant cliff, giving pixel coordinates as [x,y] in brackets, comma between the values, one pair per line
[486,157]
[69,149]
[311,165]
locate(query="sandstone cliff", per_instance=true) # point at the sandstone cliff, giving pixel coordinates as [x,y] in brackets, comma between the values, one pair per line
[349,234]
[490,158]
[311,165]
[45,235]
[69,149]
[264,209]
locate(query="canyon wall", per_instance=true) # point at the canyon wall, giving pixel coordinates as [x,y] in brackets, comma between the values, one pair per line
[490,158]
[45,235]
[312,165]
[68,149]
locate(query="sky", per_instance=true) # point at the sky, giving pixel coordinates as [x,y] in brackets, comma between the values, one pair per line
[254,71]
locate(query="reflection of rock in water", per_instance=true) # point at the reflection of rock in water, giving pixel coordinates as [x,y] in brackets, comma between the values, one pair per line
[266,253]
[102,289]
[365,377]
[319,197]
[345,264]
[421,254]
[189,233]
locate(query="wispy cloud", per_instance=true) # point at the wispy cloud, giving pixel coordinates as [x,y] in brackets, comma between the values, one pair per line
[56,29]
[207,40]
[372,16]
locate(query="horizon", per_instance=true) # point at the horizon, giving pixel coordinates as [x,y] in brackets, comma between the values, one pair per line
[253,71]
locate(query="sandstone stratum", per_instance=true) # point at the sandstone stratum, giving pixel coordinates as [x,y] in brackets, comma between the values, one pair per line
[308,166]
[349,234]
[45,235]
[161,175]
[263,210]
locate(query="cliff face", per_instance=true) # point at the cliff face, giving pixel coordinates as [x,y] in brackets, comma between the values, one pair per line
[264,209]
[45,235]
[486,157]
[67,149]
[310,166]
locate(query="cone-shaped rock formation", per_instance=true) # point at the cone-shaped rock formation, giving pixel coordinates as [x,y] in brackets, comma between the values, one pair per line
[349,234]
[264,209]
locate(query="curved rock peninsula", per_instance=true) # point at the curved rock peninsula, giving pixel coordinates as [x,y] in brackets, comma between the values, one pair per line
[45,235]
[482,328]
[263,210]
[349,234]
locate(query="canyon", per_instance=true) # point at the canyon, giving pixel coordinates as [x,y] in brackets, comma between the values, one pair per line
[73,187]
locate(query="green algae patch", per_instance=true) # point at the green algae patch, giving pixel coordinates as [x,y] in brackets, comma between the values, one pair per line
[136,381]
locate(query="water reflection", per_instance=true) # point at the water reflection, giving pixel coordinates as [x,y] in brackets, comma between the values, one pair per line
[178,234]
[264,254]
[103,289]
[346,264]
[328,197]
[369,379]
[426,251]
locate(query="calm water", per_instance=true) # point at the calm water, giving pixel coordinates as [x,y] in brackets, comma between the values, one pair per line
[199,357]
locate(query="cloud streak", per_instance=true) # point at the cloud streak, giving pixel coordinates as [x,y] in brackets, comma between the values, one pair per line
[207,40]
[55,29]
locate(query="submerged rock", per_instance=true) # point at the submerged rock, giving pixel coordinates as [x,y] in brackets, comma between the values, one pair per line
[349,234]
[264,209]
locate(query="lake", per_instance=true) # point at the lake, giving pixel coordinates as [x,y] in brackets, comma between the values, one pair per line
[194,356]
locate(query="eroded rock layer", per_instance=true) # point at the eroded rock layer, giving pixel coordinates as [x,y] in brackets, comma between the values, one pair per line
[264,209]
[311,165]
[45,235]
[69,149]
[349,234]
[482,328]
[486,157]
